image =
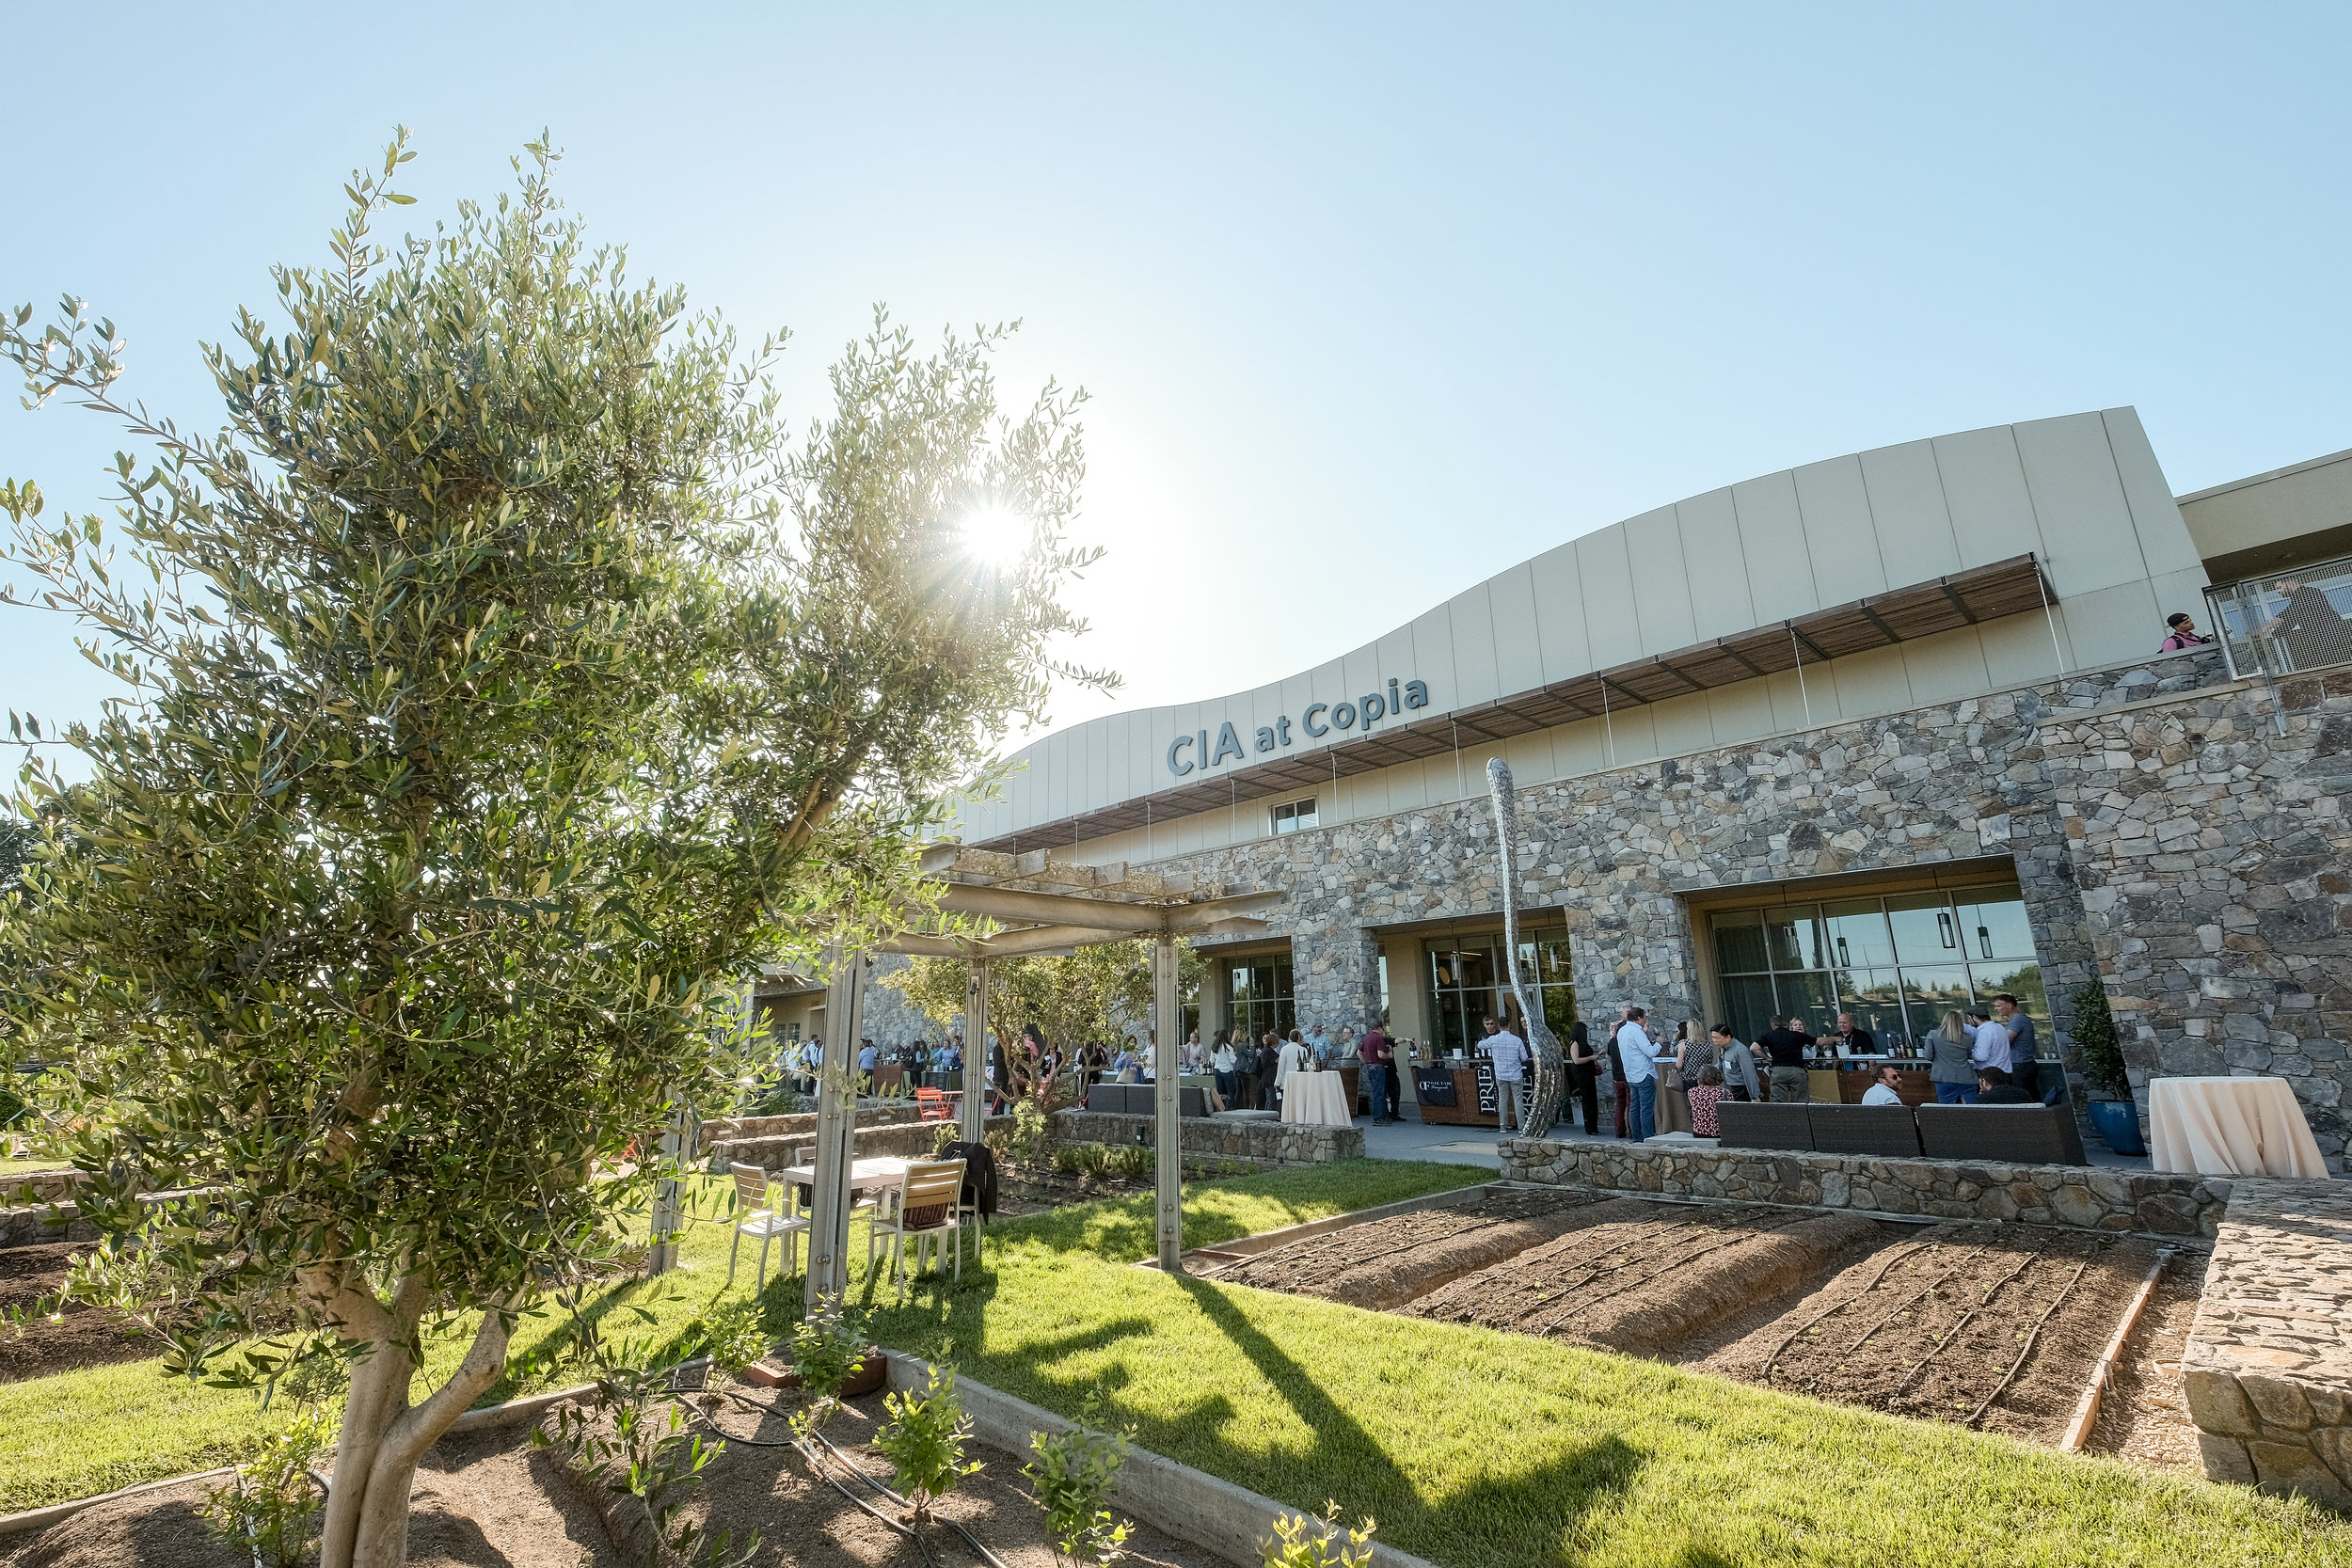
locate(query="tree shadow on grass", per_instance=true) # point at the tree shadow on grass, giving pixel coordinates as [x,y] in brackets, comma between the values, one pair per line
[1491,1520]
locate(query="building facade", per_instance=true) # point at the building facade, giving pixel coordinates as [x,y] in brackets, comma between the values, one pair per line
[1884,733]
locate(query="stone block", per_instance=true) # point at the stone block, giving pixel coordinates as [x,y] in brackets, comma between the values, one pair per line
[2225,1459]
[2291,1468]
[2280,1404]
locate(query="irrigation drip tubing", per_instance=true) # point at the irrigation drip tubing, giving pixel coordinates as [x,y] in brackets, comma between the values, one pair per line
[1945,1338]
[855,1469]
[1895,1256]
[2039,1324]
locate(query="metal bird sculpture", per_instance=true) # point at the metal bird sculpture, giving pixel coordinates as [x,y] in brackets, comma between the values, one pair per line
[1551,1071]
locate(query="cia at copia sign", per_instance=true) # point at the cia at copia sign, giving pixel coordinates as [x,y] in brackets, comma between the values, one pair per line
[1189,753]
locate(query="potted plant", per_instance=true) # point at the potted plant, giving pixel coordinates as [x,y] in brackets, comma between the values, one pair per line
[2115,1118]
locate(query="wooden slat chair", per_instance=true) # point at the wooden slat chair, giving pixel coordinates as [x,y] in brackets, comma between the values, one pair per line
[927,1207]
[753,1217]
[933,1105]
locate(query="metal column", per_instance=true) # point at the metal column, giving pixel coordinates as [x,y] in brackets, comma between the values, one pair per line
[1167,1026]
[975,1055]
[836,1128]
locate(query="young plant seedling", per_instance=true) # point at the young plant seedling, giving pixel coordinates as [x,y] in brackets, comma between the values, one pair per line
[925,1439]
[826,1347]
[1301,1542]
[1071,1477]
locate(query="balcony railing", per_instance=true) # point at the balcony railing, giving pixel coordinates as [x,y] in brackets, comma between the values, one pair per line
[2287,621]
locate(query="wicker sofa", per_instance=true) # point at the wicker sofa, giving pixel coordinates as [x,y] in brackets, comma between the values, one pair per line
[2020,1135]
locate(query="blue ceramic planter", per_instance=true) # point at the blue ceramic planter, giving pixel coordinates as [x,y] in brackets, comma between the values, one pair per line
[2117,1121]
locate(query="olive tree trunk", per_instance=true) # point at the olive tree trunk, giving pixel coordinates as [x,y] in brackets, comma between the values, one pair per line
[384,1437]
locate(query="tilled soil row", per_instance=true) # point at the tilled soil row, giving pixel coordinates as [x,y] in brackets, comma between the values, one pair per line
[1385,1263]
[1638,1277]
[1990,1326]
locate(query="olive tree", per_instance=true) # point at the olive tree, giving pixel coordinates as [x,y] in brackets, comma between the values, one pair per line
[1098,992]
[503,681]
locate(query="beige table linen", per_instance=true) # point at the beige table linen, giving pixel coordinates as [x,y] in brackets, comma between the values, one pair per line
[1316,1097]
[2230,1127]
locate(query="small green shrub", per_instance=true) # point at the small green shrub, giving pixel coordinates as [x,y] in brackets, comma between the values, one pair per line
[1031,1131]
[1299,1542]
[924,1440]
[271,1507]
[942,1136]
[1071,1159]
[1071,1477]
[1135,1160]
[2095,1044]
[733,1336]
[826,1347]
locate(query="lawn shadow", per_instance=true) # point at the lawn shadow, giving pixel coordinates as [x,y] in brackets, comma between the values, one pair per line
[1560,1491]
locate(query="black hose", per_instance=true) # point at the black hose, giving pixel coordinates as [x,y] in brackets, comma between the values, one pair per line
[985,1555]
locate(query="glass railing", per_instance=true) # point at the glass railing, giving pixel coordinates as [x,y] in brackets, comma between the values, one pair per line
[2291,621]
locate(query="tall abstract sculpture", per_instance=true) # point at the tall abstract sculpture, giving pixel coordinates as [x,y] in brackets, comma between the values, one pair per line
[1551,1071]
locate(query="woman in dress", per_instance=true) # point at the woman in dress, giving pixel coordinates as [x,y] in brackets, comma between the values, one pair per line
[1674,1094]
[1949,1065]
[1584,1074]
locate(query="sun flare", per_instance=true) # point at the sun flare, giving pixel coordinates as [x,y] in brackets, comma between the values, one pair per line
[996,533]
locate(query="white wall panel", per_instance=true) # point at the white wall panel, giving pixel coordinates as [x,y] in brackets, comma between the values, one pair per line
[2111,624]
[1519,654]
[1913,525]
[1721,601]
[1661,580]
[1611,622]
[1684,723]
[1772,540]
[1839,534]
[2086,525]
[1579,747]
[1559,613]
[1741,712]
[1947,668]
[2019,650]
[1470,620]
[1873,682]
[2164,538]
[1984,488]
[1433,661]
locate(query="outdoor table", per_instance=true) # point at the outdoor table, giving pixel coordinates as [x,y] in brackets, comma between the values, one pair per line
[1315,1096]
[881,1173]
[2230,1127]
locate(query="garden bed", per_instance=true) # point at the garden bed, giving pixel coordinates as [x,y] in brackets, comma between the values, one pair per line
[1991,1327]
[491,1500]
[82,1336]
[1384,1263]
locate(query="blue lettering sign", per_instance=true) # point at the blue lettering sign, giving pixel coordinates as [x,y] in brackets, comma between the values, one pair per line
[1319,719]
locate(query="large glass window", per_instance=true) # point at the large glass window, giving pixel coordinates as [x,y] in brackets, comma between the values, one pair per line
[1468,984]
[1259,992]
[1898,964]
[1294,815]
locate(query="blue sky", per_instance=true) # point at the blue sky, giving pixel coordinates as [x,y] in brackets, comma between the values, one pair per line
[1373,302]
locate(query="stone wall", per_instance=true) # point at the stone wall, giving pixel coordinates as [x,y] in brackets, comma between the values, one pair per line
[2213,855]
[911,1140]
[1616,851]
[2268,1367]
[2083,1199]
[1235,1137]
[800,1124]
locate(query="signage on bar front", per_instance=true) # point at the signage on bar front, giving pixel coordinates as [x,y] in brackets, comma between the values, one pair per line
[1190,754]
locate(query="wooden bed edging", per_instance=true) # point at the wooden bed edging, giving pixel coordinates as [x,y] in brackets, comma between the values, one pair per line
[1176,1499]
[2087,1409]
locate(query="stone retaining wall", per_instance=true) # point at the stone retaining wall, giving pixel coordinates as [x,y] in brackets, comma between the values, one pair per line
[2269,1368]
[1238,1137]
[42,1186]
[913,1140]
[800,1124]
[2083,1199]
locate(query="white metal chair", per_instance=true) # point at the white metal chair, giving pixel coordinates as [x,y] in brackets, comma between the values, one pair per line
[927,1207]
[753,1217]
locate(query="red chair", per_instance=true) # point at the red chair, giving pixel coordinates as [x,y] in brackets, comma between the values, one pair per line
[934,1105]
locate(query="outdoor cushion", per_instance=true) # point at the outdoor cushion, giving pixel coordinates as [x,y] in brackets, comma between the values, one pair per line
[1887,1130]
[1759,1124]
[2023,1134]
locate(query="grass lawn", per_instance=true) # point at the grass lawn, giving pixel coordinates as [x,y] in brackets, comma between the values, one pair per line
[21,1167]
[1474,1449]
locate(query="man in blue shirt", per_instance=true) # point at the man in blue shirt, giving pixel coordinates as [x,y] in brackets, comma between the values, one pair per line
[867,1056]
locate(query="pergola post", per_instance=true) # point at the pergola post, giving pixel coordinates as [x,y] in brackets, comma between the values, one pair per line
[1167,1024]
[836,1128]
[976,1056]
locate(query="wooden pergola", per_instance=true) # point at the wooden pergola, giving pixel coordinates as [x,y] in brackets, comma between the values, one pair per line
[1037,905]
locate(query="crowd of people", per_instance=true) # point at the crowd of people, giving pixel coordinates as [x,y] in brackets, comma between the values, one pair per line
[1661,1082]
